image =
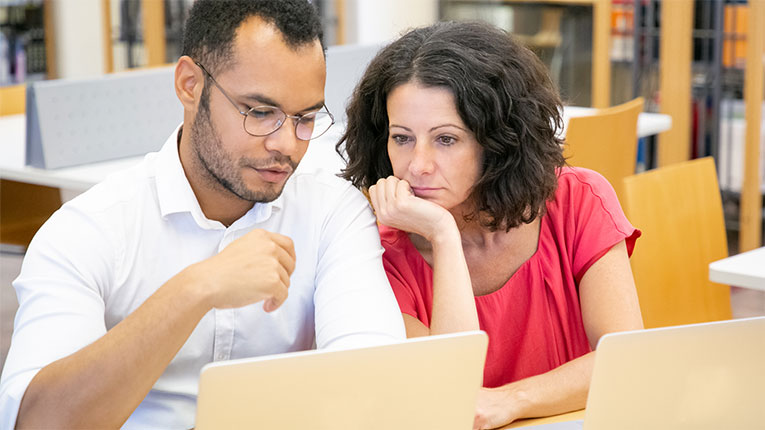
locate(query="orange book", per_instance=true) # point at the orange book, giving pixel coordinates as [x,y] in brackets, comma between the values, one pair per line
[734,35]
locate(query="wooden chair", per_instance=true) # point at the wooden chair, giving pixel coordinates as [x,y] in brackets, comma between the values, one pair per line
[606,142]
[13,100]
[23,207]
[679,210]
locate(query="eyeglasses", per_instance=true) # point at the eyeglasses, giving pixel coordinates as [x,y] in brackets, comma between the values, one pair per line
[264,120]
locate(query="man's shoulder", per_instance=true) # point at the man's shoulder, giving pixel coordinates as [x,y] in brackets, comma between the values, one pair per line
[321,184]
[322,194]
[320,178]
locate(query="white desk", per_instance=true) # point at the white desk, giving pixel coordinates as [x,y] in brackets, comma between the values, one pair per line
[743,270]
[80,178]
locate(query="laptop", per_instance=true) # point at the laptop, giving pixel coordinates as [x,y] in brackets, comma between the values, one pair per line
[420,383]
[699,376]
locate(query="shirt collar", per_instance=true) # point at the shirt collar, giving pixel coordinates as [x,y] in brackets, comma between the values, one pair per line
[176,196]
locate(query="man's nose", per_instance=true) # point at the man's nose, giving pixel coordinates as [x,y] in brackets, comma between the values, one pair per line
[284,140]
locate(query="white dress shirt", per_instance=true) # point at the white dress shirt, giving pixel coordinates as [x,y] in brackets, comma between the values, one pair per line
[102,254]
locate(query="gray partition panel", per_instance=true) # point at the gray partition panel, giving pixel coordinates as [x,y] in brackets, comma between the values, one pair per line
[80,121]
[345,66]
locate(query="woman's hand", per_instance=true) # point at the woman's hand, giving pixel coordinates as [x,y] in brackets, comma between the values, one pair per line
[396,206]
[494,408]
[453,303]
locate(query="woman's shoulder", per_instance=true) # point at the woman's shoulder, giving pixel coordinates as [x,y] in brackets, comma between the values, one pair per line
[573,177]
[577,184]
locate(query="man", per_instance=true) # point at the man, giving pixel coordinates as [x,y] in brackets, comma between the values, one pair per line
[131,288]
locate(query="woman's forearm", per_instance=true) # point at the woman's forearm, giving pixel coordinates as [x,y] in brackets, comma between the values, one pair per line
[453,301]
[560,390]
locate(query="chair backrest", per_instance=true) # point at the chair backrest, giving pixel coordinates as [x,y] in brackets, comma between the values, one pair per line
[679,210]
[12,100]
[606,142]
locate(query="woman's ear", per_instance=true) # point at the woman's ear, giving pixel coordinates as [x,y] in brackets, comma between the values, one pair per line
[189,82]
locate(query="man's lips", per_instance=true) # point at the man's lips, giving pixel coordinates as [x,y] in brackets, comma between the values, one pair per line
[273,174]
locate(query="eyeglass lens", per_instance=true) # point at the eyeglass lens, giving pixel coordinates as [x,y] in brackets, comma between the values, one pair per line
[265,120]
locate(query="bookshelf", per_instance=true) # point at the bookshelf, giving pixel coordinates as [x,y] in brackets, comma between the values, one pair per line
[142,33]
[600,74]
[26,44]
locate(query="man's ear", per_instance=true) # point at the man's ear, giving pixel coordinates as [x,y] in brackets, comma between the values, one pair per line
[189,82]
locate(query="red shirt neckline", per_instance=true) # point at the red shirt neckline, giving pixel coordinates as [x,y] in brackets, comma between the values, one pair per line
[412,250]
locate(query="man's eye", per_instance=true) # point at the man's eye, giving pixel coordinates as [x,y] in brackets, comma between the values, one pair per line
[260,113]
[308,119]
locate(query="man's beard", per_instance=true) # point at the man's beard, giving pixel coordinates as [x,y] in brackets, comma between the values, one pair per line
[221,170]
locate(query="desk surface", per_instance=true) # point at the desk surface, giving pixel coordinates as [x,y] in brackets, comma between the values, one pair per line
[571,416]
[80,178]
[743,270]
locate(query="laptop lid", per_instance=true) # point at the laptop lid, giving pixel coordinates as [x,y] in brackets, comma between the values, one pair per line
[428,382]
[700,376]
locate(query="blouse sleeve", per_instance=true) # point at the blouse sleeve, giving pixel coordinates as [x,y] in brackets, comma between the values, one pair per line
[411,285]
[400,288]
[598,220]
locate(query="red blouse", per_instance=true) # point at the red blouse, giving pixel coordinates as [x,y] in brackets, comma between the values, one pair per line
[534,321]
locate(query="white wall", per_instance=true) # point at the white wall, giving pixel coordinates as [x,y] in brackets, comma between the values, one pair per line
[375,21]
[78,38]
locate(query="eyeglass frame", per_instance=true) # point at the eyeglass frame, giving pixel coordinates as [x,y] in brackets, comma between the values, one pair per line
[296,118]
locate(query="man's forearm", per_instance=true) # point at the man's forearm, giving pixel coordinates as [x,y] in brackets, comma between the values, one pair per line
[100,385]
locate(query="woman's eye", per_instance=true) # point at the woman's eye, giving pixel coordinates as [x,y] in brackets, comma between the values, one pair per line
[400,139]
[446,140]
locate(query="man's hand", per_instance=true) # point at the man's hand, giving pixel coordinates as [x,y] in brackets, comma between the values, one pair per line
[396,206]
[255,267]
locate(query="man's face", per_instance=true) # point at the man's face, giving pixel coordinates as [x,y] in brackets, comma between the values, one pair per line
[266,71]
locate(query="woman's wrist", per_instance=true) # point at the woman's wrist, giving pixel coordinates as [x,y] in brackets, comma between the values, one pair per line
[519,404]
[445,233]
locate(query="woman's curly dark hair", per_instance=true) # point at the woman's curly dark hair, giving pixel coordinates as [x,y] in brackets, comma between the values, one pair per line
[503,94]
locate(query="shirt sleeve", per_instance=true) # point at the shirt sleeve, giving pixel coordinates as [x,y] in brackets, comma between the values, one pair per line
[354,305]
[599,221]
[61,308]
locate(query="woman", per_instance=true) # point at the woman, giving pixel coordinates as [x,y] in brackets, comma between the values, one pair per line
[453,129]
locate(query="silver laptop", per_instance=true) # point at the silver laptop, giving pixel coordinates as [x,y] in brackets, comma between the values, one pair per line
[421,383]
[699,376]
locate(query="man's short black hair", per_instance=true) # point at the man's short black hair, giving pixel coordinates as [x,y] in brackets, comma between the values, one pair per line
[212,24]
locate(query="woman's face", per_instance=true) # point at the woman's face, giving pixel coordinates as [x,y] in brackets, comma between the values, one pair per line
[429,146]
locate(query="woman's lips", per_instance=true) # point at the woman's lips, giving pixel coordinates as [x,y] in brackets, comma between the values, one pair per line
[424,191]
